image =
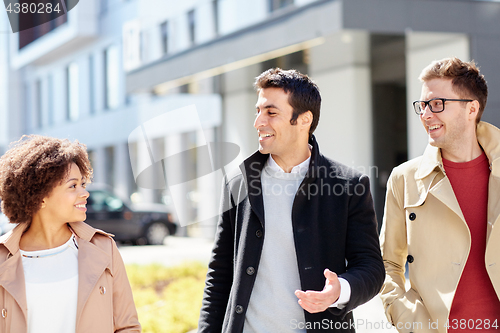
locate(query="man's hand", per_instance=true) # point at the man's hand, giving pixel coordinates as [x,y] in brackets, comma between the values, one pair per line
[319,301]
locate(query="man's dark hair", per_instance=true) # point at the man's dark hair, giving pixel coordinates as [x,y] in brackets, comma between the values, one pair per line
[303,92]
[466,80]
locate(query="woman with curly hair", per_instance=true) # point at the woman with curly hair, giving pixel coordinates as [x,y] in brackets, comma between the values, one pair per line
[57,274]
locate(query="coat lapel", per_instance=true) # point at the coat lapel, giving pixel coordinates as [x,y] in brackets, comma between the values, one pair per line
[11,270]
[488,137]
[251,169]
[444,193]
[442,189]
[12,279]
[92,262]
[493,204]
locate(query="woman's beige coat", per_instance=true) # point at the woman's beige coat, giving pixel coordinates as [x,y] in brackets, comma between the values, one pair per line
[105,303]
[423,220]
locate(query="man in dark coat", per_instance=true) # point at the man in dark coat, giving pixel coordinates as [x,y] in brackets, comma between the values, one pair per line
[297,245]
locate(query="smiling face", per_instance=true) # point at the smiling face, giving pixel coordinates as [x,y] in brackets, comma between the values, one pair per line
[66,202]
[277,136]
[454,128]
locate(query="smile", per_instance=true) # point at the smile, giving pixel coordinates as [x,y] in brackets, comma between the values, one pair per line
[265,136]
[81,207]
[434,127]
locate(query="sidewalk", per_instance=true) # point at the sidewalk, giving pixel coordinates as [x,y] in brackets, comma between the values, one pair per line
[370,317]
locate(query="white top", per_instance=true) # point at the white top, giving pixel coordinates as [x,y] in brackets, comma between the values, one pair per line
[273,305]
[52,288]
[302,168]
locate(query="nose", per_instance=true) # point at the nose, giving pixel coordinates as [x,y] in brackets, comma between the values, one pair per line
[259,120]
[426,112]
[85,194]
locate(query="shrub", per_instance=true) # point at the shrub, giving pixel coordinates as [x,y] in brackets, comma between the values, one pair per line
[168,299]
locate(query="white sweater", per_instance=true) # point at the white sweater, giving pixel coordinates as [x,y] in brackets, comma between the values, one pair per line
[52,288]
[273,306]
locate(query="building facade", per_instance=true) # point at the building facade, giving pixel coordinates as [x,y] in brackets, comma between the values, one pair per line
[148,85]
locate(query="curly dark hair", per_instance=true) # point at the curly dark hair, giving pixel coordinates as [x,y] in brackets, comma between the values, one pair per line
[31,169]
[304,93]
[465,77]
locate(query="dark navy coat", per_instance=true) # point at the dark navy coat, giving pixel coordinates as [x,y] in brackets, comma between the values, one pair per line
[334,227]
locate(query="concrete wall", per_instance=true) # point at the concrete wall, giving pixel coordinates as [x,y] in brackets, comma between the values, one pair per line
[484,49]
[4,83]
[239,111]
[341,69]
[422,49]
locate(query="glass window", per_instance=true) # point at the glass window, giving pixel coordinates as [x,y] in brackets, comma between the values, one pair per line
[39,107]
[192,26]
[91,85]
[50,99]
[111,77]
[36,22]
[131,44]
[104,6]
[72,95]
[278,4]
[110,165]
[215,9]
[164,37]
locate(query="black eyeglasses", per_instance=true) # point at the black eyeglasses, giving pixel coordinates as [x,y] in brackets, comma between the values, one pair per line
[436,105]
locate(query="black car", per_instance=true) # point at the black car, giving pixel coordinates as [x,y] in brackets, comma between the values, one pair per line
[140,224]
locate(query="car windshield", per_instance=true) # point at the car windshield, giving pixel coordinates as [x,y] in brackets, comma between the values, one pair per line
[104,201]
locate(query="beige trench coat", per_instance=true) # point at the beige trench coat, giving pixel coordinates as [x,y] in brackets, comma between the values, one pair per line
[105,303]
[423,220]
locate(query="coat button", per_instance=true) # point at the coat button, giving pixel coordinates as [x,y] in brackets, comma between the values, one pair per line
[239,309]
[258,233]
[413,216]
[410,258]
[4,313]
[250,270]
[102,290]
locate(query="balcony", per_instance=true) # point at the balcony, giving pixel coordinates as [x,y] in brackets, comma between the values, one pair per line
[52,40]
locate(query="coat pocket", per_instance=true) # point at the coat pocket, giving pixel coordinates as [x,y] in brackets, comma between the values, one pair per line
[409,314]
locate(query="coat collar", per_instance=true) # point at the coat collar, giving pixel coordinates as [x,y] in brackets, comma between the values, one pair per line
[11,239]
[253,165]
[92,261]
[252,168]
[488,137]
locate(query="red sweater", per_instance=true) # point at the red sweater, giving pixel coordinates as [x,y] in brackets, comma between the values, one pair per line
[475,299]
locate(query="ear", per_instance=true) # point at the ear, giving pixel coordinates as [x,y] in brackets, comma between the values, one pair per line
[473,110]
[305,120]
[43,204]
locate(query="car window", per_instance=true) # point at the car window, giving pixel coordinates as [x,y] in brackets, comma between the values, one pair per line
[104,201]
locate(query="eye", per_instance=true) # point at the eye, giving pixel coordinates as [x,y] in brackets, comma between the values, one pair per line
[84,185]
[436,103]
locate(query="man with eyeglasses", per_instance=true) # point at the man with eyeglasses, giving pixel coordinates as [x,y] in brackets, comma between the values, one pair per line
[442,212]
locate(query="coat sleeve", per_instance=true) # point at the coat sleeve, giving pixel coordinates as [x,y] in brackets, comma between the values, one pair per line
[365,270]
[125,318]
[220,269]
[402,308]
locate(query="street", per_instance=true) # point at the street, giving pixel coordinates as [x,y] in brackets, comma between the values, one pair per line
[369,317]
[175,251]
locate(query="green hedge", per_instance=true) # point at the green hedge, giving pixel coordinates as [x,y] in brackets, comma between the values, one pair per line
[168,299]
